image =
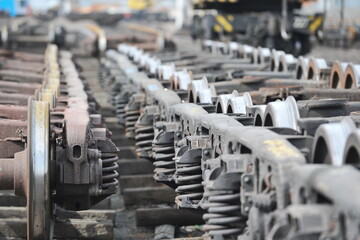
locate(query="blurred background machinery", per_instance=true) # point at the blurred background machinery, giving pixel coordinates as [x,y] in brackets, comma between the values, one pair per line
[290,25]
[275,24]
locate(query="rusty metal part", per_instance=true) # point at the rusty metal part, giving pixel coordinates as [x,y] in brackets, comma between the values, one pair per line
[317,69]
[23,56]
[6,174]
[351,76]
[18,87]
[337,74]
[18,76]
[41,136]
[12,139]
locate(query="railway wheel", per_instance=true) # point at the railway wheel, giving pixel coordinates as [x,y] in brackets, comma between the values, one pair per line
[39,206]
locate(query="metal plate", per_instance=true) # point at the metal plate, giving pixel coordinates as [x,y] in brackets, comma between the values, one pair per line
[39,209]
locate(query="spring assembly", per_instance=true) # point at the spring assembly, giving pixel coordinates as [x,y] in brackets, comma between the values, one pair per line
[120,93]
[120,101]
[223,217]
[132,113]
[113,80]
[163,154]
[189,190]
[104,75]
[144,135]
[114,90]
[109,173]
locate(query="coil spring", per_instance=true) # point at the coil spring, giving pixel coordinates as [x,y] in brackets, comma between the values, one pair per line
[102,75]
[224,213]
[120,98]
[131,116]
[114,91]
[163,155]
[109,173]
[120,104]
[116,83]
[189,190]
[144,136]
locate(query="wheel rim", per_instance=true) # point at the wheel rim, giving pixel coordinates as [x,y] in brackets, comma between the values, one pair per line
[39,209]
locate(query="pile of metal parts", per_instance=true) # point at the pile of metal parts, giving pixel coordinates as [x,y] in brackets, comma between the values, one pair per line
[56,150]
[262,144]
[25,32]
[83,38]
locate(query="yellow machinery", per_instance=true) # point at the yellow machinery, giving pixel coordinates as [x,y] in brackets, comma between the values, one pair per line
[139,4]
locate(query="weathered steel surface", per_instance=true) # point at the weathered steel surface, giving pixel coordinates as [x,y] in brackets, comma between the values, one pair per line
[47,125]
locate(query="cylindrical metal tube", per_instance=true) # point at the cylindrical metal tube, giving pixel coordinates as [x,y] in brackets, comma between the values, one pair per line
[6,174]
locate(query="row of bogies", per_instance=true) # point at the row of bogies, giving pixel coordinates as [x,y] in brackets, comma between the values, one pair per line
[183,74]
[81,38]
[260,182]
[128,95]
[290,179]
[199,91]
[337,74]
[62,152]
